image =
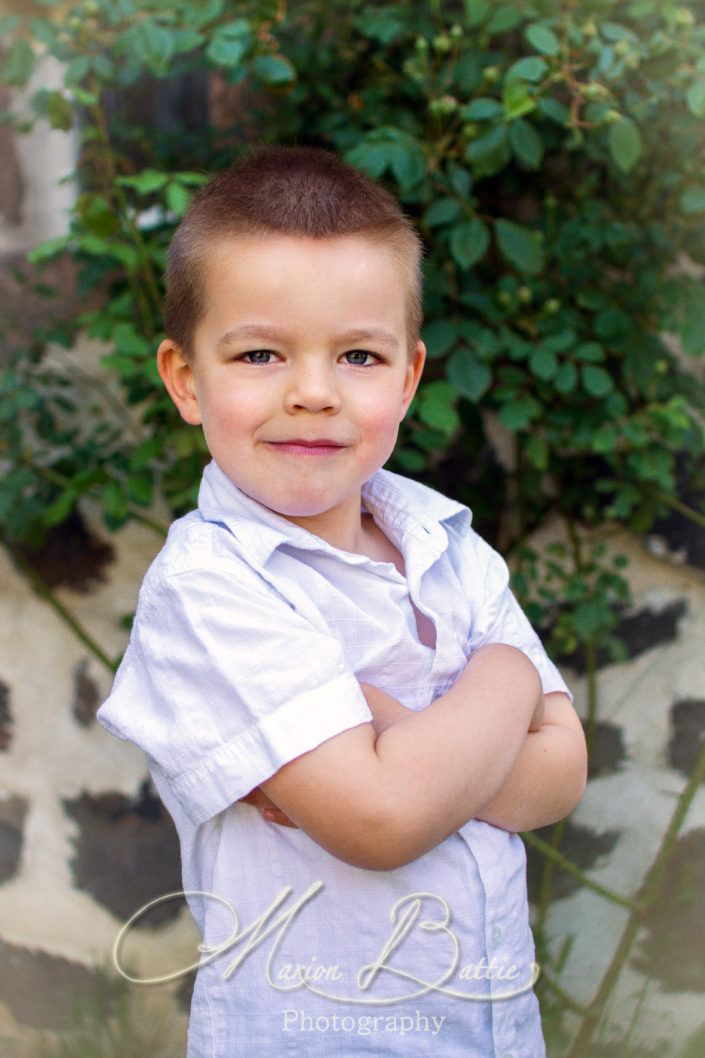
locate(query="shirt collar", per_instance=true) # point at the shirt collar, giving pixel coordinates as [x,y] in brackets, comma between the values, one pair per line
[400,506]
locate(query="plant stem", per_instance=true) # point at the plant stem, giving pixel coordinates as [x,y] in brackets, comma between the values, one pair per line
[594,1011]
[44,591]
[560,860]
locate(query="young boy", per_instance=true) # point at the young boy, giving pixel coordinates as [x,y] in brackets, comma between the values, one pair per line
[334,641]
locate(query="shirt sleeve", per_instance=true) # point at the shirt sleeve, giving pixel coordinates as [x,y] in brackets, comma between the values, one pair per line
[223,683]
[500,619]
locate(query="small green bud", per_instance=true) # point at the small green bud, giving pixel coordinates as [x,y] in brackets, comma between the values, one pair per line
[441,43]
[456,33]
[593,90]
[622,47]
[504,298]
[491,74]
[611,117]
[74,22]
[421,44]
[589,28]
[684,17]
[470,130]
[661,367]
[91,7]
[525,295]
[551,306]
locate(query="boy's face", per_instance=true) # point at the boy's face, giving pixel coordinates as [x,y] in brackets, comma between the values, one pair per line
[303,341]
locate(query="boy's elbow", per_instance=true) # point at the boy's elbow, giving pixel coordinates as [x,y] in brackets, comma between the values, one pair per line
[381,842]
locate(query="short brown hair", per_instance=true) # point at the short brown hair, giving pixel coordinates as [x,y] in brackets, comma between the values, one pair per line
[305,191]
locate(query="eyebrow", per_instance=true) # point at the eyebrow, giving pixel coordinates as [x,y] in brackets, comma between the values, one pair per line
[264,332]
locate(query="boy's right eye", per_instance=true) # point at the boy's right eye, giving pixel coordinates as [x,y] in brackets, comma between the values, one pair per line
[256,356]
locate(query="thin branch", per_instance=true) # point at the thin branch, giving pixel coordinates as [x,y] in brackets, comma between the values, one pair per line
[44,591]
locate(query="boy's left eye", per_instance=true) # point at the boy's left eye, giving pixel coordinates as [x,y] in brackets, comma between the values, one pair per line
[361,355]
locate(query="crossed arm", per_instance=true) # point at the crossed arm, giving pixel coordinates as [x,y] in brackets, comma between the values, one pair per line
[491,748]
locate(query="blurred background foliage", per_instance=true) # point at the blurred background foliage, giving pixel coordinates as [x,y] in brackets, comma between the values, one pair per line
[551,155]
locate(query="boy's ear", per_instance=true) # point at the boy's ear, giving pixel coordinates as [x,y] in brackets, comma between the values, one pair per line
[178,377]
[413,375]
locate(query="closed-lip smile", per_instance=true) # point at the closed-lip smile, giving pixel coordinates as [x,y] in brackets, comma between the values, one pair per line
[317,446]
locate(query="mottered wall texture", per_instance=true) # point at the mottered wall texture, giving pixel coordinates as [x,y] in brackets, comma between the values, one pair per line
[84,841]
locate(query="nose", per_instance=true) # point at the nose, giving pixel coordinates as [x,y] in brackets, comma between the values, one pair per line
[312,386]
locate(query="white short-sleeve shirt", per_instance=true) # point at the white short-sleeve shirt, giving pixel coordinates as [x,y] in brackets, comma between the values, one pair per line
[249,640]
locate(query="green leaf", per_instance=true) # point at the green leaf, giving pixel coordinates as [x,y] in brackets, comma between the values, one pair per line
[520,246]
[437,407]
[625,144]
[469,376]
[567,378]
[695,98]
[230,43]
[505,18]
[517,99]
[390,148]
[46,250]
[206,11]
[692,200]
[526,143]
[18,63]
[543,39]
[177,198]
[60,509]
[529,69]
[460,179]
[439,336]
[442,211]
[152,43]
[596,381]
[536,451]
[518,413]
[490,152]
[543,363]
[381,24]
[55,107]
[553,110]
[483,109]
[469,242]
[589,352]
[476,11]
[273,69]
[146,182]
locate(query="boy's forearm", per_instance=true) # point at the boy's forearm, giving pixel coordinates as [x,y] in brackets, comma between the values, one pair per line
[438,767]
[548,777]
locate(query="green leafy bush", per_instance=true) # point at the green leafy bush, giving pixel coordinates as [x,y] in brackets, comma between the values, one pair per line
[551,157]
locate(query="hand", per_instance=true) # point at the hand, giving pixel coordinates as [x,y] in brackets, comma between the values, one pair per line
[385,709]
[271,812]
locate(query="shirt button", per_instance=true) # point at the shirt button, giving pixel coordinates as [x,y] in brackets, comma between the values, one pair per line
[496,938]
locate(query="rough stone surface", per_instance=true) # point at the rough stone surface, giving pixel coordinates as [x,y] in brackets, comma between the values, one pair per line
[12,817]
[87,696]
[607,750]
[39,988]
[126,853]
[71,555]
[676,922]
[5,717]
[688,721]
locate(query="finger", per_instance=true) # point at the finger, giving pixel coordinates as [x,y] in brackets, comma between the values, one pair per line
[275,815]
